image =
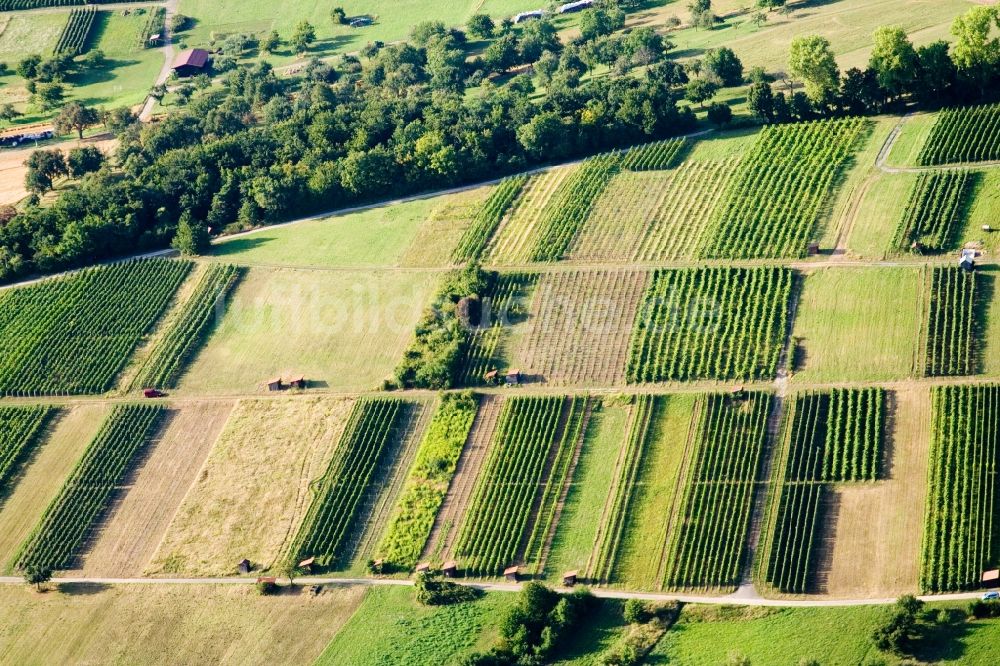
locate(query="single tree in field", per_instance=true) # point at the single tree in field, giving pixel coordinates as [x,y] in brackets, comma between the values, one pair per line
[699,91]
[271,43]
[8,112]
[192,237]
[49,95]
[75,116]
[481,26]
[758,19]
[719,114]
[811,59]
[37,575]
[701,14]
[84,160]
[290,570]
[976,53]
[760,100]
[338,15]
[304,35]
[723,64]
[44,166]
[770,4]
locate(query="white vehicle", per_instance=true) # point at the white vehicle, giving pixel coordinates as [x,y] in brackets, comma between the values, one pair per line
[991,596]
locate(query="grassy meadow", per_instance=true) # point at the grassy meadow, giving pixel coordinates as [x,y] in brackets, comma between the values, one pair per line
[858,324]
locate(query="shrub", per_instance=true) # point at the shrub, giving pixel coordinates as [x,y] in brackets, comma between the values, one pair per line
[432,591]
[266,588]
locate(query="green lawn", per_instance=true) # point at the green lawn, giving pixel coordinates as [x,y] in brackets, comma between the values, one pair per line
[656,490]
[859,324]
[391,628]
[393,20]
[879,215]
[911,139]
[991,355]
[344,330]
[574,538]
[848,24]
[985,210]
[830,636]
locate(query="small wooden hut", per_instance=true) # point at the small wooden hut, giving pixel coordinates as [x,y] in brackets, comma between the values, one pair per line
[275,384]
[297,382]
[423,567]
[991,578]
[307,564]
[512,573]
[244,566]
[513,377]
[449,569]
[569,578]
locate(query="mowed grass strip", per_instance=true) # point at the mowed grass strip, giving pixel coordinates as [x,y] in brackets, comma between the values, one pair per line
[86,494]
[960,532]
[858,324]
[707,550]
[711,323]
[782,186]
[74,334]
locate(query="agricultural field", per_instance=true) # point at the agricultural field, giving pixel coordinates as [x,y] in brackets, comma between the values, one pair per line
[650,216]
[85,496]
[21,428]
[706,551]
[173,352]
[504,311]
[578,327]
[139,517]
[649,493]
[953,326]
[512,510]
[859,324]
[379,236]
[488,218]
[776,200]
[516,236]
[390,627]
[937,205]
[427,482]
[169,624]
[73,39]
[281,322]
[44,472]
[22,35]
[338,498]
[54,337]
[874,231]
[711,323]
[963,134]
[830,437]
[252,493]
[960,540]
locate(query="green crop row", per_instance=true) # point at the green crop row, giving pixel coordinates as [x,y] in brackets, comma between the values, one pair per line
[707,549]
[74,334]
[952,323]
[74,34]
[427,483]
[570,204]
[503,306]
[710,323]
[87,493]
[960,526]
[20,430]
[656,156]
[182,340]
[963,134]
[351,475]
[511,483]
[779,192]
[611,532]
[487,219]
[934,211]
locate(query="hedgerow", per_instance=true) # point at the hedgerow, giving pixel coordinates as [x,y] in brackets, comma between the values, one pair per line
[86,495]
[74,334]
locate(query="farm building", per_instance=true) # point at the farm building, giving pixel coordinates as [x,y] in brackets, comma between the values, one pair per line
[533,15]
[577,6]
[449,569]
[190,62]
[275,384]
[569,578]
[244,566]
[511,573]
[307,564]
[513,377]
[423,567]
[297,382]
[968,259]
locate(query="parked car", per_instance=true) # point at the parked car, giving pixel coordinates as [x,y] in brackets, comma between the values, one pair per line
[990,596]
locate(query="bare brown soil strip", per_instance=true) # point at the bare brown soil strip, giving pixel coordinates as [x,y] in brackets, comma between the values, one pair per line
[460,490]
[141,513]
